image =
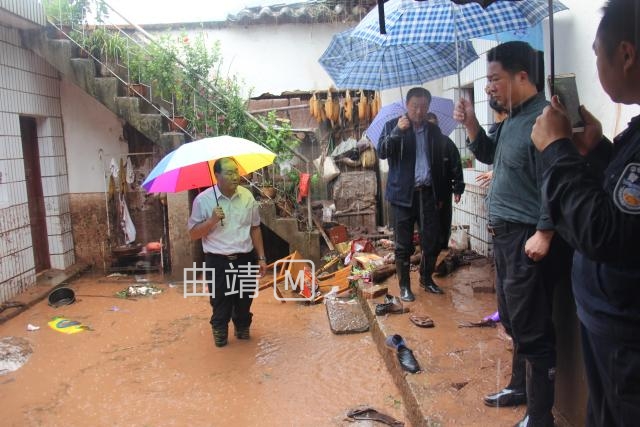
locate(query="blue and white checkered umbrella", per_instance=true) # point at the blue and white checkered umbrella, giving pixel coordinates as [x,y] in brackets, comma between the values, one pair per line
[441,21]
[354,63]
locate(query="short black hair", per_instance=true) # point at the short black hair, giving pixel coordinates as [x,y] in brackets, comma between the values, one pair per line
[619,23]
[217,165]
[419,92]
[516,56]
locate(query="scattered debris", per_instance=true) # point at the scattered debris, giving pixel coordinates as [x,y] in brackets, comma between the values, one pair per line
[31,327]
[459,385]
[138,290]
[486,323]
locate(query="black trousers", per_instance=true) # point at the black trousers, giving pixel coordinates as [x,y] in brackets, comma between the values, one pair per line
[446,215]
[525,292]
[613,374]
[424,211]
[229,299]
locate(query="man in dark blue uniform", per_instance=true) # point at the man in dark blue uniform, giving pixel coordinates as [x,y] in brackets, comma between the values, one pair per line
[599,215]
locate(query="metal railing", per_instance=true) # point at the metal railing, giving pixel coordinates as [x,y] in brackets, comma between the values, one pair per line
[136,38]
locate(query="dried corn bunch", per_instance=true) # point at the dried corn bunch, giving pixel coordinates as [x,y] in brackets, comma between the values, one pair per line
[363,107]
[328,106]
[313,106]
[348,107]
[335,110]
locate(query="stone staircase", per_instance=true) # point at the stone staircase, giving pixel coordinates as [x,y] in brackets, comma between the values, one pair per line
[109,91]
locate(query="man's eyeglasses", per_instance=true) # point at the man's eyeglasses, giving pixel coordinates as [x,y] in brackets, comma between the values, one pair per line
[230,173]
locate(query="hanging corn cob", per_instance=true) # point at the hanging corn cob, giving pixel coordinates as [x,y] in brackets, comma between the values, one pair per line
[328,105]
[312,105]
[348,107]
[363,107]
[335,110]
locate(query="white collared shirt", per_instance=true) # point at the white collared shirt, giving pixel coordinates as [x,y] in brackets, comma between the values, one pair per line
[240,214]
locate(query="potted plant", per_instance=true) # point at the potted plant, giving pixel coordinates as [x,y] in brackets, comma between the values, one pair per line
[66,15]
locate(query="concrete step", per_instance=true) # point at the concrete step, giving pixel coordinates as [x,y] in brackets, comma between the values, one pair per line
[106,91]
[305,242]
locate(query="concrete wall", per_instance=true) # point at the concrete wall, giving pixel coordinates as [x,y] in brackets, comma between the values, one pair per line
[93,136]
[274,59]
[29,87]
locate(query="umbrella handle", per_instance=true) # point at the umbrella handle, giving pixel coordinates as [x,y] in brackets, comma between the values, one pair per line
[215,193]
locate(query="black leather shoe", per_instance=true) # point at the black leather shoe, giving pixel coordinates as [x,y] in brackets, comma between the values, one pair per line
[430,286]
[506,397]
[407,361]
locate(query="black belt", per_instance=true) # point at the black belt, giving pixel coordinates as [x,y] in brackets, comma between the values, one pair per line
[506,227]
[422,188]
[230,257]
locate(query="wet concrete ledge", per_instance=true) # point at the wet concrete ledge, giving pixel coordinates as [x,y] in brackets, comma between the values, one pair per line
[410,385]
[45,283]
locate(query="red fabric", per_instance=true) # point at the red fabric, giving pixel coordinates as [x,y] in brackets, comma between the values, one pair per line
[303,186]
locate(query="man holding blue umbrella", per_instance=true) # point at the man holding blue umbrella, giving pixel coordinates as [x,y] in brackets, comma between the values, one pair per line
[419,180]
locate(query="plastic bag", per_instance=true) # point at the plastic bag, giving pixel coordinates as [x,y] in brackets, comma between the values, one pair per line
[329,169]
[459,238]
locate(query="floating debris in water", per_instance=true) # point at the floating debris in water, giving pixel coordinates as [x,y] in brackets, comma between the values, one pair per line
[138,290]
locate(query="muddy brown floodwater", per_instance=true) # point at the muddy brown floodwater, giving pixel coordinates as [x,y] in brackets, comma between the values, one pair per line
[150,361]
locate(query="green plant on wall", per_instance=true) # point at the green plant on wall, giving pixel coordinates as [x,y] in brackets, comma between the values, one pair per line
[162,70]
[74,13]
[279,138]
[66,12]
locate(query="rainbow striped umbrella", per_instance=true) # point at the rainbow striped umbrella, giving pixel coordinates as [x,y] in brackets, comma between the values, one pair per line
[191,165]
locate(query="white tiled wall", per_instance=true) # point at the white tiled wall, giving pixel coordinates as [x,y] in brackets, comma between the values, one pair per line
[30,87]
[471,209]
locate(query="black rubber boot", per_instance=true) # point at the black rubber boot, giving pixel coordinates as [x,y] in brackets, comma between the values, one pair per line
[220,336]
[540,395]
[242,333]
[402,270]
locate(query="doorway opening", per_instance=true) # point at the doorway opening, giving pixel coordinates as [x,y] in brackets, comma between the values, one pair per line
[35,196]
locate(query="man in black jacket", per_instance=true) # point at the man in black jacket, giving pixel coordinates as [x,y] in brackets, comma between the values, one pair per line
[419,181]
[599,215]
[455,176]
